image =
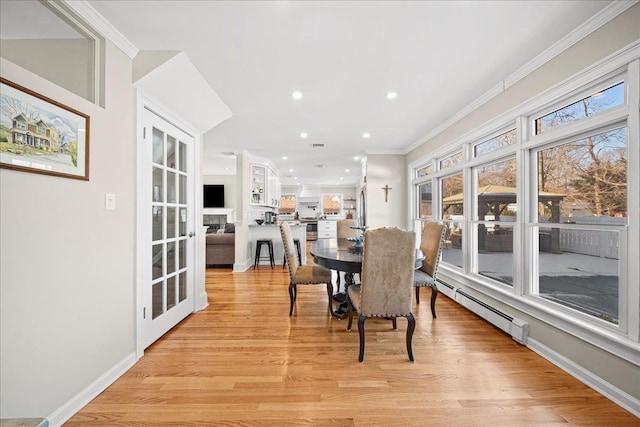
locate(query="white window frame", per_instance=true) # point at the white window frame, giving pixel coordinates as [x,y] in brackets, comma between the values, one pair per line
[622,339]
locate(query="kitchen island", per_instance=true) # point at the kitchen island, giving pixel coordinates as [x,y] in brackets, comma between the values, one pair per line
[272,231]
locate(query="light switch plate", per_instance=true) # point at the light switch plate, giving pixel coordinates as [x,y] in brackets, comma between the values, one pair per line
[110,201]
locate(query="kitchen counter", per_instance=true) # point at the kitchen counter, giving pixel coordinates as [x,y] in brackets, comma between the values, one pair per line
[272,231]
[277,225]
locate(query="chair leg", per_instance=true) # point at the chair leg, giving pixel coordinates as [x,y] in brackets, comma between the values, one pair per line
[361,320]
[417,294]
[292,297]
[410,328]
[271,260]
[338,281]
[349,312]
[255,261]
[434,295]
[394,322]
[330,294]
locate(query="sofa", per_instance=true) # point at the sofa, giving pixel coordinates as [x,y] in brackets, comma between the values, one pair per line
[221,247]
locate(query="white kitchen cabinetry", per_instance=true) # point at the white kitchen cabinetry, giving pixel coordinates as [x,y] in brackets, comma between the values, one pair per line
[327,230]
[258,184]
[265,186]
[274,188]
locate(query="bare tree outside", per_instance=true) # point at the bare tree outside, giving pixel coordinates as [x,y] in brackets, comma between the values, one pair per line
[591,172]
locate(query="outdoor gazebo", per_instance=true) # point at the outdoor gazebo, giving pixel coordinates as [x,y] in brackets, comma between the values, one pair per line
[494,199]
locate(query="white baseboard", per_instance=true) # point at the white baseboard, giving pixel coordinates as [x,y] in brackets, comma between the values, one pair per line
[70,408]
[239,267]
[202,301]
[608,390]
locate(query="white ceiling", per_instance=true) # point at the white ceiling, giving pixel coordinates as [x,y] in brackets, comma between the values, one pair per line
[439,56]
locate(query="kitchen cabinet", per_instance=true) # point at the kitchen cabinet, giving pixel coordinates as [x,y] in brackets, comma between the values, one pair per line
[258,184]
[265,186]
[327,229]
[274,188]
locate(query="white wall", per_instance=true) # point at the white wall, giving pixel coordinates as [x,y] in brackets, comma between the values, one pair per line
[610,38]
[382,170]
[67,270]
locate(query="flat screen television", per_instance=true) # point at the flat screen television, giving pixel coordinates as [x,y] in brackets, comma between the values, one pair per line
[213,196]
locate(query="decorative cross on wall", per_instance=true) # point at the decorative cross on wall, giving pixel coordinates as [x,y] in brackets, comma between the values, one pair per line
[386,189]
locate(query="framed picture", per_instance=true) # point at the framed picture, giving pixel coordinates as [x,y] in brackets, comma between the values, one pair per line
[40,135]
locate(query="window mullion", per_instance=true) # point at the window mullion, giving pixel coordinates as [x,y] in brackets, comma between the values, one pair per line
[632,248]
[521,248]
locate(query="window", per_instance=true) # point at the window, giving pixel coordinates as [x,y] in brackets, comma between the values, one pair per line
[287,204]
[425,205]
[47,38]
[424,171]
[588,177]
[486,147]
[541,219]
[452,202]
[600,101]
[582,182]
[452,160]
[331,204]
[496,210]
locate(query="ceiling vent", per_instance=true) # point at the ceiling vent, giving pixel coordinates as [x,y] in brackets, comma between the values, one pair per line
[317,145]
[318,165]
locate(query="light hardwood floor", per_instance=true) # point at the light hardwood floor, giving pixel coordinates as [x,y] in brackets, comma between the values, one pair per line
[244,362]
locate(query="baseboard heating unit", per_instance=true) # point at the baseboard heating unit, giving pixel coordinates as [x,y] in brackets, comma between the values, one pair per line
[517,328]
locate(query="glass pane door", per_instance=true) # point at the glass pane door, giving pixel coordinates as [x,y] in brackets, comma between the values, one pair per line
[170,200]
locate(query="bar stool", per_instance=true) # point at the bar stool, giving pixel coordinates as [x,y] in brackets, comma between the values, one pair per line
[284,261]
[259,243]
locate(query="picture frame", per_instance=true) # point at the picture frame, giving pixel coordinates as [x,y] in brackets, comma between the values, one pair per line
[40,135]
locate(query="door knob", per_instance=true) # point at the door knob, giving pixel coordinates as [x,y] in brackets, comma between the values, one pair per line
[191,234]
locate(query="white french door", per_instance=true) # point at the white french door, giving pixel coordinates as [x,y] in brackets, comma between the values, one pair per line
[166,227]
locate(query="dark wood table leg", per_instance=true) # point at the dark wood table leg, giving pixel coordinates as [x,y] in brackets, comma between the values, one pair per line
[341,297]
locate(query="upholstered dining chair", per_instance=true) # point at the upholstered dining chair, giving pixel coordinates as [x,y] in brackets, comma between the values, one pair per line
[302,274]
[344,230]
[386,282]
[431,246]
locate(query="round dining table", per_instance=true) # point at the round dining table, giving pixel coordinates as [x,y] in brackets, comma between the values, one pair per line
[343,256]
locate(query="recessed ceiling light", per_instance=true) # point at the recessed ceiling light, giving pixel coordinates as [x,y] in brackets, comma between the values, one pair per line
[392,95]
[356,158]
[290,170]
[346,170]
[296,95]
[303,135]
[366,135]
[341,178]
[284,157]
[295,177]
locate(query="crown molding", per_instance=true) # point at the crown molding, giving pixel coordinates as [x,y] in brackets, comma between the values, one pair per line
[497,89]
[592,24]
[88,13]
